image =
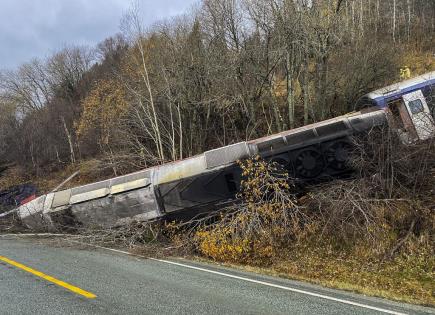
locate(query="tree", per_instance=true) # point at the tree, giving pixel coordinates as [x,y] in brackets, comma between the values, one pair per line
[103,109]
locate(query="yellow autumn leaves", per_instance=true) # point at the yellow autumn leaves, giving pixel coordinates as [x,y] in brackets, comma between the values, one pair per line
[102,109]
[255,229]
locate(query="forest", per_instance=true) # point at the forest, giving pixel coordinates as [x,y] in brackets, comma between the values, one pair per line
[227,71]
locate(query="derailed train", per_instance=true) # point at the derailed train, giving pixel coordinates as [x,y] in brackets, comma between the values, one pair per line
[209,181]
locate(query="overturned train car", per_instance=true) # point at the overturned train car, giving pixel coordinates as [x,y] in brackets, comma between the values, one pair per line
[209,181]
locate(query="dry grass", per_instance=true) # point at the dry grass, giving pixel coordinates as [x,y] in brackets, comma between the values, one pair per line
[407,278]
[359,266]
[91,170]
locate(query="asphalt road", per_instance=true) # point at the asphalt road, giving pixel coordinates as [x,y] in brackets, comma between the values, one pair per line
[120,284]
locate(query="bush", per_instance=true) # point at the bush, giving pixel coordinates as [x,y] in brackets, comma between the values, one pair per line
[264,220]
[380,213]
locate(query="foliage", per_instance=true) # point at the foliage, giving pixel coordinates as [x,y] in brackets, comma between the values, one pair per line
[266,218]
[373,233]
[103,109]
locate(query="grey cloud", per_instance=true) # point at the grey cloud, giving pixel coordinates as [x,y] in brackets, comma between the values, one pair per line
[37,28]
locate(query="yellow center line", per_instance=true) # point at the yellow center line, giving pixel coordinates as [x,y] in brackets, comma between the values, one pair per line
[60,283]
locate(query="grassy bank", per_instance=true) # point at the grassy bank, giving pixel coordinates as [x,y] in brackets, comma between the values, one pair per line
[407,278]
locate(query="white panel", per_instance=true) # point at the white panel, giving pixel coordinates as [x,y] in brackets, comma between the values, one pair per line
[131,177]
[48,202]
[178,170]
[420,114]
[33,207]
[61,198]
[95,194]
[139,183]
[226,155]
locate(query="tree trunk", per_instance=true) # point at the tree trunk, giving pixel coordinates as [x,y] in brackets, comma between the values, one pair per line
[408,2]
[275,108]
[305,88]
[361,18]
[180,126]
[71,146]
[147,81]
[322,83]
[394,20]
[290,94]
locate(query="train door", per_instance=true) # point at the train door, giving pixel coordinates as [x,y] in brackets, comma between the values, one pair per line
[419,113]
[400,121]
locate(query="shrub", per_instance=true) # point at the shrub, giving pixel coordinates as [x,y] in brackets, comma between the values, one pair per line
[265,218]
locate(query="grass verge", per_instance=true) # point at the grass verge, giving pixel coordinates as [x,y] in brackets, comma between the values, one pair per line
[409,279]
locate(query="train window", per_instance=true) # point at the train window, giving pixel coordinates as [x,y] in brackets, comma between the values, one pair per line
[231,182]
[416,106]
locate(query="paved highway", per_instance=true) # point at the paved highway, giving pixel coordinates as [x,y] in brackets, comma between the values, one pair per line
[39,278]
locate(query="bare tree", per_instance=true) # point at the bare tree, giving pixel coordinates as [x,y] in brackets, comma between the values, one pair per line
[133,28]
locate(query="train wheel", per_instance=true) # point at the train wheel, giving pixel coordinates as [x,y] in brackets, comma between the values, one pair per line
[309,163]
[337,155]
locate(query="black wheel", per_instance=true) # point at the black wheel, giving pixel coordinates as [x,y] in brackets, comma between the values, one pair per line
[309,163]
[337,155]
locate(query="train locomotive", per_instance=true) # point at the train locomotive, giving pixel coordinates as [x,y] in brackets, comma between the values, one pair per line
[210,181]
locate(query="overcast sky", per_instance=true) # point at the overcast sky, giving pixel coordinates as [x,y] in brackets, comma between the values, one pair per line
[37,28]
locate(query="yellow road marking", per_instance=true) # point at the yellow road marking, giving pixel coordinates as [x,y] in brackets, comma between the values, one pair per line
[63,284]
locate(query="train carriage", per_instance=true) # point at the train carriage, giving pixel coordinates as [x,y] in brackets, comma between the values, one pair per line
[209,181]
[409,105]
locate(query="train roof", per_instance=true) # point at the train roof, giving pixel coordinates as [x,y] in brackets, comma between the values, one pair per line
[381,96]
